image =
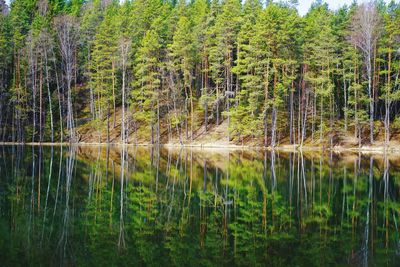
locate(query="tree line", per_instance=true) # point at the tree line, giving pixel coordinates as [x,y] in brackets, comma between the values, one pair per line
[153,69]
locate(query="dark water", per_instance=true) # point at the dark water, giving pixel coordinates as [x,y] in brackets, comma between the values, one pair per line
[93,206]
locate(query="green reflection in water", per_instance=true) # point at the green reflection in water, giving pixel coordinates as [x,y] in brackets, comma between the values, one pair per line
[99,206]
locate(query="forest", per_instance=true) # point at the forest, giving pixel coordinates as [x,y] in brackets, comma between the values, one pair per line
[175,71]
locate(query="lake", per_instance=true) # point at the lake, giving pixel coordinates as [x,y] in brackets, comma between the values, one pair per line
[143,206]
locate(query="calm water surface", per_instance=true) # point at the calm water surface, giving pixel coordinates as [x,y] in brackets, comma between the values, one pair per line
[99,206]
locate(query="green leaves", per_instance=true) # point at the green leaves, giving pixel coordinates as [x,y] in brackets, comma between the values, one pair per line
[262,66]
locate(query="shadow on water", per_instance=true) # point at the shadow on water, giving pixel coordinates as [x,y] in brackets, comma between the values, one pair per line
[155,206]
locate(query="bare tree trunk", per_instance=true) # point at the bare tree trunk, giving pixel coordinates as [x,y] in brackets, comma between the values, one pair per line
[314,114]
[321,112]
[368,219]
[331,120]
[60,104]
[301,104]
[158,119]
[108,122]
[125,49]
[229,117]
[92,105]
[387,102]
[371,99]
[273,130]
[191,114]
[49,96]
[205,116]
[266,99]
[152,133]
[123,131]
[33,82]
[291,138]
[345,100]
[113,92]
[365,33]
[121,238]
[67,29]
[228,91]
[206,94]
[304,121]
[217,103]
[41,105]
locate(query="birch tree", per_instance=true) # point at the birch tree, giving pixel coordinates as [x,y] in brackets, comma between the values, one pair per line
[365,32]
[67,28]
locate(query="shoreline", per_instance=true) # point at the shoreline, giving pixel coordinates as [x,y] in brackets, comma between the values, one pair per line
[285,148]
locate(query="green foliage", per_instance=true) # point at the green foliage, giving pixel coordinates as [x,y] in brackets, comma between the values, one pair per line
[260,66]
[147,83]
[104,60]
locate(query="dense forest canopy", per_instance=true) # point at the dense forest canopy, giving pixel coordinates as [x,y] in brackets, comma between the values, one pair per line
[169,70]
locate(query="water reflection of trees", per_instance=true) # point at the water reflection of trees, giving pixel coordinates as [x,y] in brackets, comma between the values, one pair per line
[89,206]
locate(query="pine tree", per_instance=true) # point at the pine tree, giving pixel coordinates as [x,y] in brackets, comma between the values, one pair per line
[145,95]
[91,17]
[199,12]
[21,16]
[183,52]
[221,55]
[104,67]
[245,116]
[209,91]
[143,13]
[320,59]
[261,67]
[278,25]
[388,47]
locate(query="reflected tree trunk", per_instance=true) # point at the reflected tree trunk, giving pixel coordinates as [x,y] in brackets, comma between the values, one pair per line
[365,248]
[63,240]
[121,239]
[47,193]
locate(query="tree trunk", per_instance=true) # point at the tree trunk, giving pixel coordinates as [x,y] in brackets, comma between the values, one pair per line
[274,110]
[387,102]
[345,100]
[291,138]
[304,120]
[266,98]
[33,81]
[371,99]
[205,116]
[217,104]
[158,119]
[108,122]
[191,113]
[49,96]
[113,92]
[273,130]
[123,132]
[321,112]
[41,105]
[60,104]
